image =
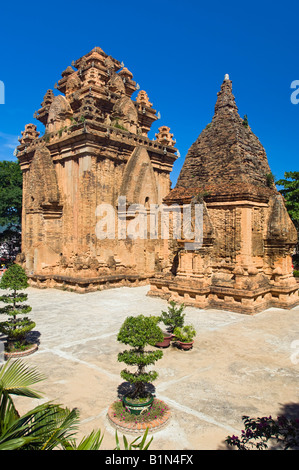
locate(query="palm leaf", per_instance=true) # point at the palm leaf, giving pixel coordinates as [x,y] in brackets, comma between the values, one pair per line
[16,378]
[44,428]
[134,444]
[65,427]
[91,442]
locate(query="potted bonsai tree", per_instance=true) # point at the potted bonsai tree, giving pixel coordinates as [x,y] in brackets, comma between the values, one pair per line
[14,327]
[174,317]
[184,336]
[139,332]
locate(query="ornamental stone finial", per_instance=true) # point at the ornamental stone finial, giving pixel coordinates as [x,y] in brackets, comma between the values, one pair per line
[226,76]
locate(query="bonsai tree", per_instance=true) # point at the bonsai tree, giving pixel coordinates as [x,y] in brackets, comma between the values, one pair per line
[139,332]
[174,317]
[15,280]
[185,334]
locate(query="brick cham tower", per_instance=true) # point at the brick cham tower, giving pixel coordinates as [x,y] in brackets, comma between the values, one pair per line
[244,263]
[95,148]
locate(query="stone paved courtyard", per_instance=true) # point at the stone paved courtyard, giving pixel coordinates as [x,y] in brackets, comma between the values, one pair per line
[240,365]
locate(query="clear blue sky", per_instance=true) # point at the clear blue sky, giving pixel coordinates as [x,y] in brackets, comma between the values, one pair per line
[178,51]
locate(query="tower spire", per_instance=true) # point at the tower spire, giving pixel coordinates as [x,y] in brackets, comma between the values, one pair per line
[226,100]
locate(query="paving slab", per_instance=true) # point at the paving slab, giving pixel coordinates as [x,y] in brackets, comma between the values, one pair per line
[239,365]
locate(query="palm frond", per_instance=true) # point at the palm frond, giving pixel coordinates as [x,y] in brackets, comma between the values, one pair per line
[136,444]
[91,442]
[16,378]
[45,427]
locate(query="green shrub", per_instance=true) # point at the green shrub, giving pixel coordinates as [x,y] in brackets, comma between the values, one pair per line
[245,121]
[16,329]
[174,317]
[270,179]
[185,334]
[139,332]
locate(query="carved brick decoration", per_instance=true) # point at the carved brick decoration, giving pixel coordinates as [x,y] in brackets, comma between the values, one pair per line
[244,262]
[95,148]
[164,136]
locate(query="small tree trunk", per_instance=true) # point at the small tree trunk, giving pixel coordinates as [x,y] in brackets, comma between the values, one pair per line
[14,307]
[139,386]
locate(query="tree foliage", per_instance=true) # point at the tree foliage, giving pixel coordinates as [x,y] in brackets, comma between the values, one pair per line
[140,332]
[290,191]
[16,328]
[174,317]
[10,193]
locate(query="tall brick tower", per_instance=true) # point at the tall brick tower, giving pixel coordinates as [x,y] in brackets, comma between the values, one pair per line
[95,149]
[244,263]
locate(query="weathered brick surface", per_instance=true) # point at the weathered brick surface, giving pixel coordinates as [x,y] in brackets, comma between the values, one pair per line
[226,153]
[244,263]
[95,149]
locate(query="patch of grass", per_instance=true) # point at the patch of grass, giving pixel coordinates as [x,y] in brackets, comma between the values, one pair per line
[270,179]
[156,410]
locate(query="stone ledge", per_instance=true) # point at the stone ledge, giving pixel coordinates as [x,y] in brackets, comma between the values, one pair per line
[91,284]
[138,428]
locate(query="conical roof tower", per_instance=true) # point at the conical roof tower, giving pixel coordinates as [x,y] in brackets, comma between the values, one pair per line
[227,158]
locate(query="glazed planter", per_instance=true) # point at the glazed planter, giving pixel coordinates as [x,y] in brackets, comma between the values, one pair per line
[135,407]
[166,341]
[185,346]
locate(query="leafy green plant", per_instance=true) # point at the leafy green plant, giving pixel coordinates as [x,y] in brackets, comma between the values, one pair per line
[139,332]
[185,334]
[270,179]
[10,195]
[174,317]
[296,273]
[245,121]
[138,443]
[290,192]
[63,129]
[259,433]
[16,329]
